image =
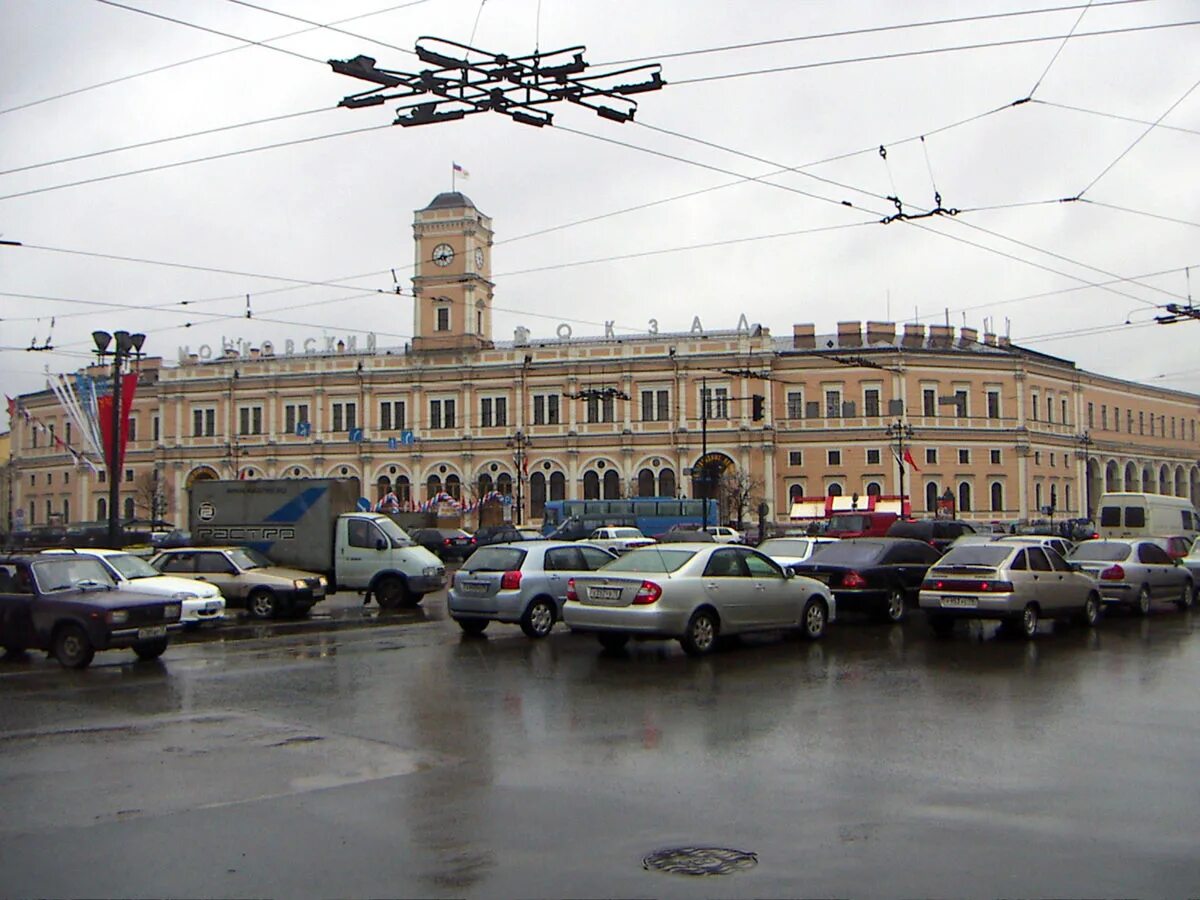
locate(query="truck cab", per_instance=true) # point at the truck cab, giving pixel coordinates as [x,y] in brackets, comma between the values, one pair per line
[375,555]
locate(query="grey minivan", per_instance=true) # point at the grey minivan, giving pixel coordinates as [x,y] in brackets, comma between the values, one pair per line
[522,582]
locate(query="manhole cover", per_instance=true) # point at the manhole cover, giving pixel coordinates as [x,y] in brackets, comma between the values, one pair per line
[700,861]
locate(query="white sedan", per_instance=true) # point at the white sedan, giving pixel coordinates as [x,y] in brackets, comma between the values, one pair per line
[695,593]
[788,551]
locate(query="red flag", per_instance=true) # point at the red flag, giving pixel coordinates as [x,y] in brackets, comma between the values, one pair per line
[908,459]
[104,415]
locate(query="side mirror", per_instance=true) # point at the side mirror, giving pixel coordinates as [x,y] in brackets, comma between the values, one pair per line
[788,573]
[380,544]
[1075,567]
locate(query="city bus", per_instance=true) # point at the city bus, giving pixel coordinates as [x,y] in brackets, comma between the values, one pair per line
[652,515]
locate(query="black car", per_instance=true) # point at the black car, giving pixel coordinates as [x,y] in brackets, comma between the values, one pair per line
[499,534]
[938,533]
[68,604]
[445,543]
[876,575]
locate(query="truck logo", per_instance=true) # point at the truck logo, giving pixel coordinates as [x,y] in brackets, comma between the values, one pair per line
[206,511]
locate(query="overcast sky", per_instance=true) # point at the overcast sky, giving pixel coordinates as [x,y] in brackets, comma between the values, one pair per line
[680,227]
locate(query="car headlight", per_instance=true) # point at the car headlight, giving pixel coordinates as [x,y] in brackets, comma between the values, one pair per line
[171,611]
[184,595]
[430,570]
[118,617]
[299,584]
[323,581]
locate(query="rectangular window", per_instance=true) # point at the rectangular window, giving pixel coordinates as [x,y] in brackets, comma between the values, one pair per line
[1035,407]
[392,415]
[960,404]
[795,457]
[871,402]
[1172,426]
[647,406]
[931,456]
[833,404]
[294,414]
[204,422]
[834,457]
[129,474]
[448,413]
[663,399]
[443,318]
[539,409]
[1104,418]
[995,457]
[501,411]
[812,410]
[795,405]
[250,420]
[49,478]
[552,409]
[1092,415]
[993,404]
[716,402]
[608,407]
[132,436]
[929,402]
[592,410]
[485,412]
[1116,418]
[435,413]
[964,457]
[154,422]
[872,457]
[1037,457]
[345,416]
[1064,412]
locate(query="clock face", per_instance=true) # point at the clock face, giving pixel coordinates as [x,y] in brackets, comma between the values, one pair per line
[443,254]
[479,259]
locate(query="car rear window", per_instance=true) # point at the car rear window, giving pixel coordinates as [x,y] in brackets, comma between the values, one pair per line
[839,524]
[784,547]
[494,559]
[651,559]
[919,530]
[852,552]
[1100,551]
[976,555]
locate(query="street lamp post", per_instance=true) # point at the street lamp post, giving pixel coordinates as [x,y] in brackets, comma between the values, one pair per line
[900,431]
[519,443]
[1085,444]
[126,346]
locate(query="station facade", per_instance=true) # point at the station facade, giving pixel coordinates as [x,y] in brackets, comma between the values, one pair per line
[1003,431]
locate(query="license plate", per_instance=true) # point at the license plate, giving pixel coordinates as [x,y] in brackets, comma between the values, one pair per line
[318,592]
[154,631]
[959,603]
[604,593]
[473,587]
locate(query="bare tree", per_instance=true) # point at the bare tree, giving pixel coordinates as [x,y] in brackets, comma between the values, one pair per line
[150,496]
[741,493]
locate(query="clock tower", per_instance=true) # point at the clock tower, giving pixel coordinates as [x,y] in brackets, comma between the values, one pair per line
[452,306]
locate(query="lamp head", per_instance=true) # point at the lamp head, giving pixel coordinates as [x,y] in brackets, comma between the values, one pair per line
[124,342]
[102,339]
[137,340]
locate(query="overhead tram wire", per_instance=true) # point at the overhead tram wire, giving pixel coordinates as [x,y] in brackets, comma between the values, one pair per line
[1139,212]
[855,32]
[1054,58]
[1114,116]
[318,25]
[201,58]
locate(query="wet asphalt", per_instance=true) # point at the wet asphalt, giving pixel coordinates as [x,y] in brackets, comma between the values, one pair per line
[368,755]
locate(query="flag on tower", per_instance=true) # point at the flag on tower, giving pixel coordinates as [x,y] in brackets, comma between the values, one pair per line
[460,171]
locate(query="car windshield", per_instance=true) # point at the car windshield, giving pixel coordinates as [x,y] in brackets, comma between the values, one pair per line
[851,552]
[1100,551]
[626,533]
[650,559]
[494,559]
[848,523]
[976,555]
[784,547]
[249,558]
[71,572]
[452,532]
[394,532]
[132,567]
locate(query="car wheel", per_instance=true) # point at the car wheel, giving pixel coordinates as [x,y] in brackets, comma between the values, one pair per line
[72,647]
[613,641]
[1143,601]
[1028,623]
[700,637]
[261,604]
[814,618]
[391,593]
[1186,596]
[1091,611]
[151,649]
[538,618]
[943,626]
[895,609]
[472,626]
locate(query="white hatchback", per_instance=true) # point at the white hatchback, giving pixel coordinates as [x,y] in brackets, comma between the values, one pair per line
[199,602]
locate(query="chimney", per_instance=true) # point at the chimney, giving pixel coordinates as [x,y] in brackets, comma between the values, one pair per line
[255,353]
[849,334]
[881,333]
[941,335]
[989,339]
[804,337]
[1003,341]
[968,337]
[914,335]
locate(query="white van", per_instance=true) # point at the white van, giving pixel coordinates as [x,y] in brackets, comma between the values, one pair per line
[1132,515]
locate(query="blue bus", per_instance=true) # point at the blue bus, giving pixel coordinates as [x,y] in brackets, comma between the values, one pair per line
[652,515]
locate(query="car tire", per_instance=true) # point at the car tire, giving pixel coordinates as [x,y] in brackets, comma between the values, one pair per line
[894,609]
[1027,624]
[473,627]
[262,604]
[1143,604]
[814,619]
[538,619]
[1091,611]
[72,647]
[1186,597]
[700,636]
[148,650]
[612,641]
[392,593]
[943,626]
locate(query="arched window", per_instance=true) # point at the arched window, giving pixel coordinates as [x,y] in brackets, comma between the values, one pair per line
[485,484]
[403,488]
[558,486]
[101,509]
[50,511]
[66,511]
[591,485]
[433,487]
[383,487]
[645,483]
[537,495]
[795,492]
[1037,496]
[964,497]
[454,486]
[834,490]
[128,508]
[873,489]
[666,483]
[504,484]
[997,497]
[931,495]
[1067,497]
[612,485]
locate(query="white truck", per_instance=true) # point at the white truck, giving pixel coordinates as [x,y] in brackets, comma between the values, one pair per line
[315,524]
[619,540]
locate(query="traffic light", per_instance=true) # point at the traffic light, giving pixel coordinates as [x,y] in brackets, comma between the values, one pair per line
[756,407]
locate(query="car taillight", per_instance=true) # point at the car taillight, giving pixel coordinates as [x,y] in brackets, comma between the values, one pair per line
[996,587]
[510,580]
[571,595]
[1113,573]
[648,593]
[853,580]
[446,542]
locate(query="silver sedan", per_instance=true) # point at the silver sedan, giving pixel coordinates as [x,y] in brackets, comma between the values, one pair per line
[695,593]
[1135,572]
